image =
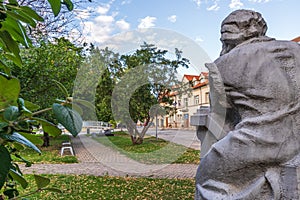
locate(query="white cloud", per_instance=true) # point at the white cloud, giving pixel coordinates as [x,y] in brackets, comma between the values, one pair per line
[235,4]
[103,9]
[147,22]
[198,2]
[214,7]
[124,2]
[172,18]
[98,30]
[123,25]
[102,23]
[104,19]
[259,1]
[199,39]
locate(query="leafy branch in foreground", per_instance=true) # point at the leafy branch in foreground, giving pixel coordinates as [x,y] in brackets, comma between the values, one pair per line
[17,116]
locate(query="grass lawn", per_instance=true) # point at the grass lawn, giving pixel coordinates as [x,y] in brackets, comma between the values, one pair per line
[49,154]
[94,188]
[152,151]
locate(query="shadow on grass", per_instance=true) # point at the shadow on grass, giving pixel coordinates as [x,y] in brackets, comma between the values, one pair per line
[152,150]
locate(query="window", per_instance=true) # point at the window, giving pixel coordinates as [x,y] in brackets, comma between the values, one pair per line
[207,97]
[196,99]
[186,102]
[179,103]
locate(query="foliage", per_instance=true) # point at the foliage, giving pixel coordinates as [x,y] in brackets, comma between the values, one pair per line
[42,64]
[13,19]
[98,74]
[151,151]
[83,187]
[103,96]
[17,118]
[149,78]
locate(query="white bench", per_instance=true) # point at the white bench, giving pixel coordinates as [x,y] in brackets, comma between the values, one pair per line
[66,146]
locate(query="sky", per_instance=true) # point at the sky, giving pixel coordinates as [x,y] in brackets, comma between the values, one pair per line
[196,22]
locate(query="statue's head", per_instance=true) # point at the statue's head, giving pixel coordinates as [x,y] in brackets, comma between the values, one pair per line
[239,26]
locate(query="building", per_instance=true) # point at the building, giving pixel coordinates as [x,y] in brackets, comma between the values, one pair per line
[186,104]
[195,94]
[297,39]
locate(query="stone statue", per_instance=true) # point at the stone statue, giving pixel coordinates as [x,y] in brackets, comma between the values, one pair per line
[255,87]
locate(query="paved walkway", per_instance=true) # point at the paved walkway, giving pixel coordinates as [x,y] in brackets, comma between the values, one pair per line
[187,138]
[99,160]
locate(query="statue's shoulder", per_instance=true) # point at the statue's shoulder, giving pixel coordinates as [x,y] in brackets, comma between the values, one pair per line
[257,47]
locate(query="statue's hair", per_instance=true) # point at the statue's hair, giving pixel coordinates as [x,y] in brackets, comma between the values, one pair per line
[244,18]
[254,17]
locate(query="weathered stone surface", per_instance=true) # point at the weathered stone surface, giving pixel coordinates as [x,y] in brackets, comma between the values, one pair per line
[254,117]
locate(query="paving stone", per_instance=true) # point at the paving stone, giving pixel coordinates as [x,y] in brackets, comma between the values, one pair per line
[99,160]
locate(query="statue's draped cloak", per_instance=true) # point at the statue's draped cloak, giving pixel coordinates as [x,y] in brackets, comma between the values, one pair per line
[262,85]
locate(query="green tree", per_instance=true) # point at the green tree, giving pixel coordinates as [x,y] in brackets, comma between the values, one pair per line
[58,60]
[103,96]
[147,82]
[111,73]
[97,76]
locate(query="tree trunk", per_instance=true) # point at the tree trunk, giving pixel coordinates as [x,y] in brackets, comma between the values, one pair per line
[136,137]
[46,139]
[136,140]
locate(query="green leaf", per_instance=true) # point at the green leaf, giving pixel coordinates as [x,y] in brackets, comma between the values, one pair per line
[11,113]
[19,178]
[13,2]
[31,106]
[22,125]
[48,127]
[17,31]
[69,4]
[33,138]
[53,190]
[20,139]
[9,91]
[28,163]
[15,58]
[22,17]
[55,6]
[70,119]
[10,44]
[5,164]
[41,182]
[5,68]
[61,87]
[11,193]
[3,125]
[22,108]
[18,146]
[85,103]
[76,108]
[31,13]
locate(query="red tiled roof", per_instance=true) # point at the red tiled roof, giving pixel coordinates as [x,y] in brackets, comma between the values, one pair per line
[200,84]
[297,39]
[191,77]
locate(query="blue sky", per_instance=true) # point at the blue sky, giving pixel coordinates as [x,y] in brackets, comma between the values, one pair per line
[198,20]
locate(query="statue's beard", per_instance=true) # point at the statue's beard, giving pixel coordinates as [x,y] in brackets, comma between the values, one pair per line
[226,47]
[231,40]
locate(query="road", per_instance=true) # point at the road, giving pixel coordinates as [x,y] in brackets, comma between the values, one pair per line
[187,138]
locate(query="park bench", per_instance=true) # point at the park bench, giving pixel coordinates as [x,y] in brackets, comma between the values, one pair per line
[66,146]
